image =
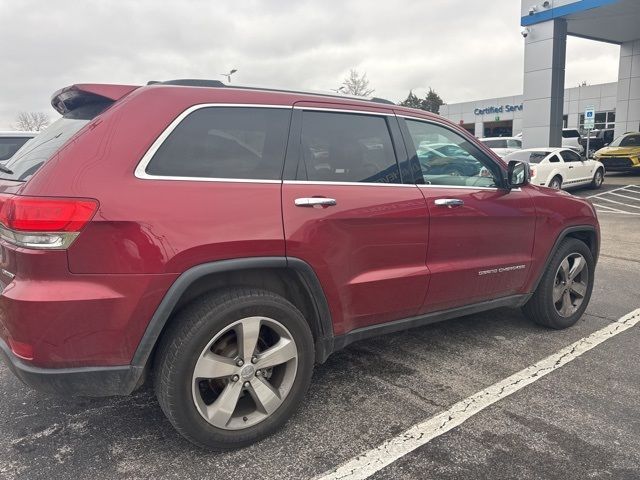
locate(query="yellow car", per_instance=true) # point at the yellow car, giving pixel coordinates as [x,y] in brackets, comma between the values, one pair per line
[622,155]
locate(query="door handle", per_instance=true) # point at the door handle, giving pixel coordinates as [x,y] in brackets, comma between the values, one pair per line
[570,166]
[315,201]
[449,202]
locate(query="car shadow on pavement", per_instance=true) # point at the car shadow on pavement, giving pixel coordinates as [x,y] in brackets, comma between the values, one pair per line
[363,394]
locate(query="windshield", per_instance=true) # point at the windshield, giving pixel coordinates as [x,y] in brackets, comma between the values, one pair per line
[26,161]
[626,141]
[10,145]
[530,156]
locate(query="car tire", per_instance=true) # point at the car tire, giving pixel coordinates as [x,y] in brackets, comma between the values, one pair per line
[198,338]
[560,300]
[556,183]
[598,179]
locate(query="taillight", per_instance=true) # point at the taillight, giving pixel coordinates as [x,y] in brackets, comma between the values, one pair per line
[533,172]
[43,222]
[21,349]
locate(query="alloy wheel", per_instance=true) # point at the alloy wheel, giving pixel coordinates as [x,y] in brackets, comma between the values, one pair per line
[244,373]
[598,179]
[570,285]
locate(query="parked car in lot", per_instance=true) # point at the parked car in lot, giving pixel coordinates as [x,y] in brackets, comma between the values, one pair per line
[560,168]
[444,159]
[220,241]
[572,139]
[10,143]
[503,146]
[622,154]
[597,139]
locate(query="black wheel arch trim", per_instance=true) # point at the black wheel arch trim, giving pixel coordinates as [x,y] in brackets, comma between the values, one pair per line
[590,229]
[307,276]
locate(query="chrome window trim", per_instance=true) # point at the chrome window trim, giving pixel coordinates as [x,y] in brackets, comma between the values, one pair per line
[341,110]
[140,171]
[466,187]
[365,184]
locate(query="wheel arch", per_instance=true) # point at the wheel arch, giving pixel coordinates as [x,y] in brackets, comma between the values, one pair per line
[585,233]
[291,278]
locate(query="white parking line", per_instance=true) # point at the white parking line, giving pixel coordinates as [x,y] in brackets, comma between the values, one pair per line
[608,191]
[612,210]
[626,196]
[372,461]
[619,203]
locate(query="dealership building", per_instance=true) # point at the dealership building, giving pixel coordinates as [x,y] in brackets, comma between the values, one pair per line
[502,116]
[545,106]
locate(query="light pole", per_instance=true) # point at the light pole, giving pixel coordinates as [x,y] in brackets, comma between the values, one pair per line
[228,75]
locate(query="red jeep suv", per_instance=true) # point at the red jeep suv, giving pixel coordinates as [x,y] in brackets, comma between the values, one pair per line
[221,241]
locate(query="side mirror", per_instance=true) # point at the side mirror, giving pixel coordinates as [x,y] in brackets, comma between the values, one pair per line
[519,174]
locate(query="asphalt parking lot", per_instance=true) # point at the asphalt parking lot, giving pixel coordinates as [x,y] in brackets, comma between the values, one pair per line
[579,421]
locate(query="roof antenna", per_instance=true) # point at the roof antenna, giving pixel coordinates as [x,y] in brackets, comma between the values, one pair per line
[228,75]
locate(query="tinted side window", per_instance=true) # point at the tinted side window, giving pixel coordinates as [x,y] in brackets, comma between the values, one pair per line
[554,159]
[447,158]
[569,156]
[346,147]
[225,142]
[514,143]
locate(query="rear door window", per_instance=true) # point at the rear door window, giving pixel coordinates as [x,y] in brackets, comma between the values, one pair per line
[346,147]
[226,143]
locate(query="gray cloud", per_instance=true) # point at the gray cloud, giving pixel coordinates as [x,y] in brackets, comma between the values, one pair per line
[464,49]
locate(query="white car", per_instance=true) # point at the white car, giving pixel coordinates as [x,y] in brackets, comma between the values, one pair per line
[571,138]
[503,146]
[560,167]
[10,143]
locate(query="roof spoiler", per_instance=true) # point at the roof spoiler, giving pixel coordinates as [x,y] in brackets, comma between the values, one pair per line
[69,98]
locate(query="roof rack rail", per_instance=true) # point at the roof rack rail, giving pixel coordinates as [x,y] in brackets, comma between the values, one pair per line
[194,82]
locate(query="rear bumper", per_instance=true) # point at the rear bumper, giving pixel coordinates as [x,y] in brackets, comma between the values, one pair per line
[83,381]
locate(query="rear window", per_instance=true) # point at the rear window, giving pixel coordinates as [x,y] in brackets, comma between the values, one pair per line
[529,156]
[10,145]
[28,159]
[225,142]
[495,143]
[570,134]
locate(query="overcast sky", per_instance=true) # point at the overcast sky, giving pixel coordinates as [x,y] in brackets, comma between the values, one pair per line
[465,50]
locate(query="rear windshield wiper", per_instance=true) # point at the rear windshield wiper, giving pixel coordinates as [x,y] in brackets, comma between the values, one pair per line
[4,169]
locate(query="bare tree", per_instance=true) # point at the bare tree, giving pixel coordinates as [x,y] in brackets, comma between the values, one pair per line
[356,84]
[31,121]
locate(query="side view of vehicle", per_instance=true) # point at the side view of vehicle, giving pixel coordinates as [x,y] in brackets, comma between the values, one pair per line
[622,154]
[220,241]
[560,168]
[503,146]
[10,143]
[446,159]
[597,139]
